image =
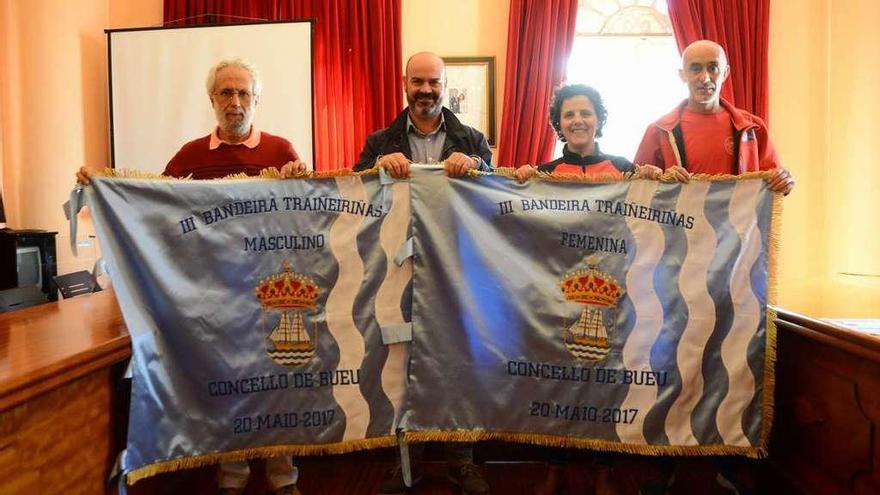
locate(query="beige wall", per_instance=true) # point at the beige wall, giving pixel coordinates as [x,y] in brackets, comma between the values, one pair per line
[55,112]
[852,171]
[125,13]
[54,103]
[824,75]
[798,126]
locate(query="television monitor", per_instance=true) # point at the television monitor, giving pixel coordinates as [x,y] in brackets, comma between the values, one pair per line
[28,264]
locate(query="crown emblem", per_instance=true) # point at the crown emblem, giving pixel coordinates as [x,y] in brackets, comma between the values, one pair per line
[587,339]
[591,286]
[287,290]
[290,293]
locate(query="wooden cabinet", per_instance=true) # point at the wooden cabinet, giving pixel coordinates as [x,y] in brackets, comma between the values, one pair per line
[825,434]
[60,409]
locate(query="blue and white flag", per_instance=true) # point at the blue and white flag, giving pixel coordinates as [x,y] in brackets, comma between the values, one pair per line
[256,310]
[626,316]
[273,316]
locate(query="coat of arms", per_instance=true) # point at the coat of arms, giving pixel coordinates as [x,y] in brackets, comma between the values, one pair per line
[588,337]
[291,294]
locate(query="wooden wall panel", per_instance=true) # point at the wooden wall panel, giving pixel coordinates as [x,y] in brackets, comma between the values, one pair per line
[825,438]
[61,441]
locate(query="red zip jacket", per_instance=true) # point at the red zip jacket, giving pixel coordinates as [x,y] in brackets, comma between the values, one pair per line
[663,144]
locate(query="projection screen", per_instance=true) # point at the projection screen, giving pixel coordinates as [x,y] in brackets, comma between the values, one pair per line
[158,99]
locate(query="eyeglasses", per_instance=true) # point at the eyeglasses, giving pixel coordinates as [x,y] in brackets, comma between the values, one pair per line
[227,94]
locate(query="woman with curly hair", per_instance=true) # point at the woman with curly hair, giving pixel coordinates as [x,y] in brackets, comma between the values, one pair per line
[577,114]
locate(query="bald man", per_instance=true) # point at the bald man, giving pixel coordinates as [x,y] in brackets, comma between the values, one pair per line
[707,135]
[425,132]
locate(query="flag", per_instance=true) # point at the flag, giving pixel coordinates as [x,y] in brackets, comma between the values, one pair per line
[256,309]
[326,315]
[625,316]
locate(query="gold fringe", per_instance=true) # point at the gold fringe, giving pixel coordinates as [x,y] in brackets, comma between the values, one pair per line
[122,173]
[136,475]
[469,436]
[510,173]
[770,342]
[266,173]
[763,174]
[507,172]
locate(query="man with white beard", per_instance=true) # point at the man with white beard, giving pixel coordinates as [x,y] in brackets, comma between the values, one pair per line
[236,145]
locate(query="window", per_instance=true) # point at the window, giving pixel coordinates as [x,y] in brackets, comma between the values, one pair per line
[626,50]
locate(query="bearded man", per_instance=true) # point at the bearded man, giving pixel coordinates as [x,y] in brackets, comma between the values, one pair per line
[235,145]
[425,132]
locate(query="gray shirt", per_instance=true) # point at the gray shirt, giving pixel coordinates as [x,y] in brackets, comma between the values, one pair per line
[426,148]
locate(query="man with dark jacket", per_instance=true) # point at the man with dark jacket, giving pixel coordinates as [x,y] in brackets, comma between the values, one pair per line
[425,132]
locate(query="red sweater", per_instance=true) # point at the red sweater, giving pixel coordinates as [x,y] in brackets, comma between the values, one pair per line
[195,159]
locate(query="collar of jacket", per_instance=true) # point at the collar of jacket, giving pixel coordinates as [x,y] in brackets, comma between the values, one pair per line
[672,119]
[456,136]
[572,158]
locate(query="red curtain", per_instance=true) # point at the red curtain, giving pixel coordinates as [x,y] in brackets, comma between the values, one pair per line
[539,40]
[357,66]
[742,27]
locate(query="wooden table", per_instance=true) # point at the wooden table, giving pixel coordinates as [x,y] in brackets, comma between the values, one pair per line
[59,407]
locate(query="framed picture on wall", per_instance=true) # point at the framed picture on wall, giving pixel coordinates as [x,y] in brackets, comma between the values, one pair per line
[470,92]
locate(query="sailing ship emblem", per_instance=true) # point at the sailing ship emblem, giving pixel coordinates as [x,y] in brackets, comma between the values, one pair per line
[587,338]
[291,294]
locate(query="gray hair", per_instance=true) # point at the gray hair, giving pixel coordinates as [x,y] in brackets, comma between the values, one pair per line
[257,88]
